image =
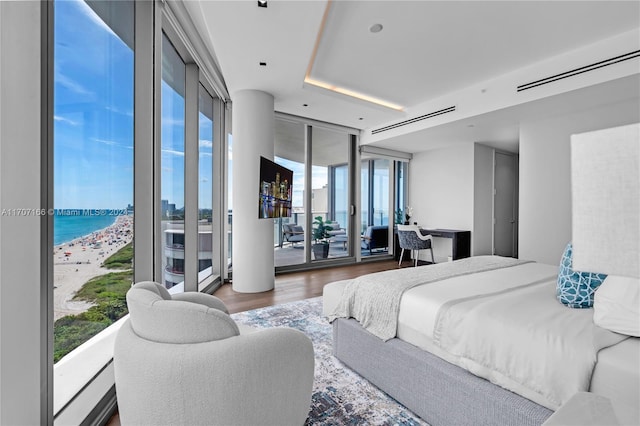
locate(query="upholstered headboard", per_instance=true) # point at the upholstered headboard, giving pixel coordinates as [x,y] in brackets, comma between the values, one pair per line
[605,180]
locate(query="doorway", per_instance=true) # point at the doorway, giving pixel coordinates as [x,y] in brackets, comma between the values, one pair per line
[505,205]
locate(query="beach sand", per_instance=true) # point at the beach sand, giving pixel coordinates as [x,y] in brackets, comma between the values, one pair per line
[76,262]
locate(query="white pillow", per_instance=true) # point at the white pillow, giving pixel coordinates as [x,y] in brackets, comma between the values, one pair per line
[617,305]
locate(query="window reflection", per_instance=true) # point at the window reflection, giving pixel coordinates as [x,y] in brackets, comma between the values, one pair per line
[172,164]
[205,182]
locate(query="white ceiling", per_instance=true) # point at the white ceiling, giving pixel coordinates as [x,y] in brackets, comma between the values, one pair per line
[426,49]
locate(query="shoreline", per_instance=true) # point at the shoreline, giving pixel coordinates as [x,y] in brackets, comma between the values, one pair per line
[77,261]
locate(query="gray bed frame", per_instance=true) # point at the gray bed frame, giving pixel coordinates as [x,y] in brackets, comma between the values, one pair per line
[437,391]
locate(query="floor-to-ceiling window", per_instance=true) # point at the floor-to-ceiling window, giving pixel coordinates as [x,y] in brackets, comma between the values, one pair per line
[93,169]
[320,157]
[383,197]
[329,193]
[401,190]
[95,165]
[229,212]
[289,246]
[172,164]
[205,183]
[375,193]
[93,178]
[381,172]
[365,198]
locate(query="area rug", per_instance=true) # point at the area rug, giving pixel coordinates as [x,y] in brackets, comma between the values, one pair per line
[340,396]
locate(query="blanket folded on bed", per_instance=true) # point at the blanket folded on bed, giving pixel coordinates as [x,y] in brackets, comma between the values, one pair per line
[524,340]
[374,299]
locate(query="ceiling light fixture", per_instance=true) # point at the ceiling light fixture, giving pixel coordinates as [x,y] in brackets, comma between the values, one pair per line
[344,91]
[376,28]
[262,3]
[352,93]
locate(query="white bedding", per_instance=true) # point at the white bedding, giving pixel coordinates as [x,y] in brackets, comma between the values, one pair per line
[419,306]
[520,338]
[374,300]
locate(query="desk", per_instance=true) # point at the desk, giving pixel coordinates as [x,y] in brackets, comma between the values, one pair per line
[460,240]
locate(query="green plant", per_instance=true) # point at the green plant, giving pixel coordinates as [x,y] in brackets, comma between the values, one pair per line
[399,217]
[122,259]
[108,293]
[321,230]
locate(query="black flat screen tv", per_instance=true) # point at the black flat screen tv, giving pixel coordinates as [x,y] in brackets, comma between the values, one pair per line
[275,190]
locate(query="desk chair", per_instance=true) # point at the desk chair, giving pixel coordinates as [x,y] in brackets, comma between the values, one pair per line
[410,238]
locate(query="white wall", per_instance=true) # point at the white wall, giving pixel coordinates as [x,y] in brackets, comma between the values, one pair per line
[545,187]
[483,171]
[24,308]
[441,192]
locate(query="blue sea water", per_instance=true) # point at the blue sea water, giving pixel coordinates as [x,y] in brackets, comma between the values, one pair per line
[67,227]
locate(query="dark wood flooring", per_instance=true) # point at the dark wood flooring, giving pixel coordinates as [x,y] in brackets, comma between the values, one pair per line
[293,286]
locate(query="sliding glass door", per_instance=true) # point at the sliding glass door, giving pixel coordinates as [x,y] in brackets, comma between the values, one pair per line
[382,197]
[289,234]
[320,224]
[329,194]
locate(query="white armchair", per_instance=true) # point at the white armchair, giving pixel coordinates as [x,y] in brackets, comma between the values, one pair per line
[183,360]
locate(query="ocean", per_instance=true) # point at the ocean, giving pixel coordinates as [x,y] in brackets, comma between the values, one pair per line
[71,224]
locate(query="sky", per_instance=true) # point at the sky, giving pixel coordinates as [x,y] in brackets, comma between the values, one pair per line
[93,119]
[318,180]
[93,112]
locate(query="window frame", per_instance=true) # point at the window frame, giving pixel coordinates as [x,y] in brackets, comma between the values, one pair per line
[95,402]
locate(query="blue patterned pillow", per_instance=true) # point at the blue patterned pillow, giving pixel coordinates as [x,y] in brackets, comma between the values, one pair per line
[576,289]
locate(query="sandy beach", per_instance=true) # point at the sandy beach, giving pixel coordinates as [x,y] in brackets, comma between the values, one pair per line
[77,261]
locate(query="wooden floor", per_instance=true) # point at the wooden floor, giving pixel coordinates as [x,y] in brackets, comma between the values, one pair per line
[291,287]
[294,286]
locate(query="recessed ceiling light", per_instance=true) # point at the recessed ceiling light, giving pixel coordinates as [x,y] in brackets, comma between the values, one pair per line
[263,64]
[375,28]
[305,105]
[262,3]
[360,118]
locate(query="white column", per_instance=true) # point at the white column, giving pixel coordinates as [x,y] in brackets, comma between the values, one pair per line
[253,137]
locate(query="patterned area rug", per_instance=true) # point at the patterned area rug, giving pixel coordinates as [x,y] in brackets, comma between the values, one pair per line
[340,396]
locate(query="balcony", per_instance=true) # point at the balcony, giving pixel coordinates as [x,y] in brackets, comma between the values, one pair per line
[173,275]
[174,251]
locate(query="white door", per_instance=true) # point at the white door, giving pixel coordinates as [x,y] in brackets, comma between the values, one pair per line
[505,205]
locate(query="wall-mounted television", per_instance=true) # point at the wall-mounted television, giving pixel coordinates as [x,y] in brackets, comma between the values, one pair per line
[275,190]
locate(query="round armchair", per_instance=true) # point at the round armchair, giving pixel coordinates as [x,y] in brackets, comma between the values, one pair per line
[183,360]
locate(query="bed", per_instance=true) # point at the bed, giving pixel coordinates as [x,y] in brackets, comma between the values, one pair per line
[479,341]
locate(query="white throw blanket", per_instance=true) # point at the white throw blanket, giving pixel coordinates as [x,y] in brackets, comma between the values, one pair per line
[524,340]
[374,299]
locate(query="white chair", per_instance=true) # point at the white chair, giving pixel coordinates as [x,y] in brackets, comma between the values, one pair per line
[183,360]
[410,238]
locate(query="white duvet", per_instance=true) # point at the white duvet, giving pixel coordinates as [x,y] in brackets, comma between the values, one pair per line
[506,325]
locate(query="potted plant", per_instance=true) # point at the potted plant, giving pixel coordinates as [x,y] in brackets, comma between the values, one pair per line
[321,237]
